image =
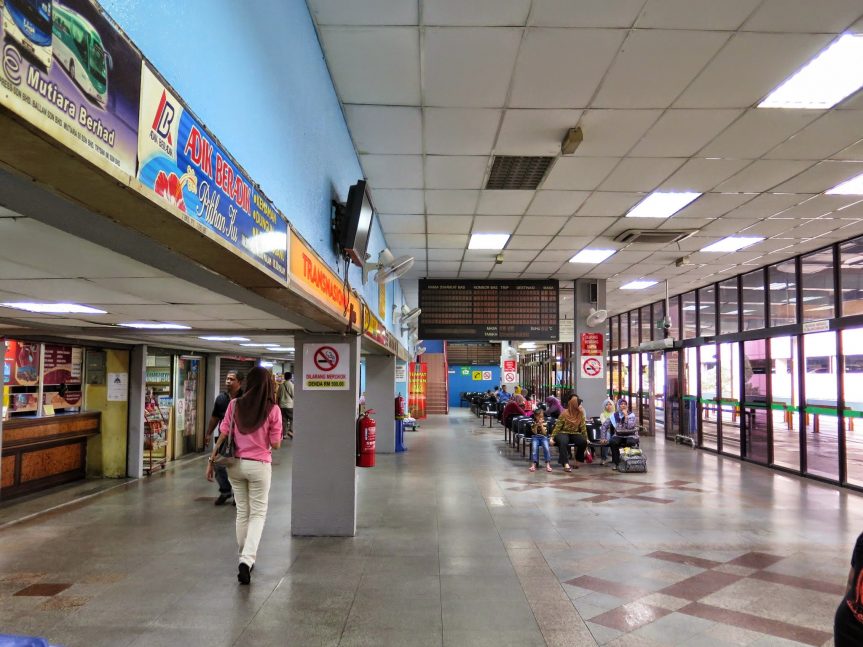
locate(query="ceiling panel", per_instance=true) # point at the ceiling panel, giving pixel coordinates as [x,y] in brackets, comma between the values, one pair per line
[822,176]
[460,131]
[447,241]
[374,65]
[640,173]
[757,132]
[406,240]
[475,12]
[167,289]
[632,80]
[766,205]
[609,204]
[402,224]
[364,12]
[545,76]
[445,254]
[695,14]
[393,171]
[612,133]
[528,242]
[762,175]
[556,203]
[398,201]
[587,225]
[534,132]
[505,203]
[468,67]
[73,290]
[585,13]
[702,174]
[830,134]
[385,129]
[682,133]
[449,224]
[495,224]
[451,202]
[579,173]
[804,16]
[539,225]
[574,243]
[455,172]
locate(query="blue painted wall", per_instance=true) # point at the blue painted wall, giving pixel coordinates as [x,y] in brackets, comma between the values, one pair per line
[255,75]
[433,346]
[459,383]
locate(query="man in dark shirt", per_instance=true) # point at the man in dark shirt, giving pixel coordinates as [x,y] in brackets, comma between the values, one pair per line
[848,623]
[233,389]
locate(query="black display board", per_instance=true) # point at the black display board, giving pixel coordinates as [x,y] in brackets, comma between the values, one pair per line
[501,310]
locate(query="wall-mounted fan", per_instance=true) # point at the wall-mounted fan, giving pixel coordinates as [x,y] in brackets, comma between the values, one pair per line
[420,350]
[388,268]
[510,353]
[409,316]
[596,317]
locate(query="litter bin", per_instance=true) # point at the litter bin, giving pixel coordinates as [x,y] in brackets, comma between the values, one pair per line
[400,439]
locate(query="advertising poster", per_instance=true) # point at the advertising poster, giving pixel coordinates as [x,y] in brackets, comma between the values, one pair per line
[591,355]
[417,386]
[68,70]
[186,168]
[326,367]
[21,364]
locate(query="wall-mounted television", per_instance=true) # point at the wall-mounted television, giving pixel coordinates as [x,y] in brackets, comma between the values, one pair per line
[356,223]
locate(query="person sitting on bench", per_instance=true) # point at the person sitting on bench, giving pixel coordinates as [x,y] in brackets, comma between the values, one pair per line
[625,430]
[515,407]
[553,407]
[539,437]
[570,428]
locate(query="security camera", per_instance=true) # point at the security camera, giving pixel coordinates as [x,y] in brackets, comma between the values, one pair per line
[666,323]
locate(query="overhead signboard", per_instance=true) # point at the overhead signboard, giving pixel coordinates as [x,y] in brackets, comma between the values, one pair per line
[69,71]
[504,310]
[317,280]
[187,168]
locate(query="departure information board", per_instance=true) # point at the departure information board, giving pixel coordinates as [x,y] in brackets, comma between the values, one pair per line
[501,310]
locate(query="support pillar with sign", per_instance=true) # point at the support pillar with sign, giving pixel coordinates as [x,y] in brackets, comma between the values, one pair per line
[326,395]
[508,366]
[590,348]
[380,375]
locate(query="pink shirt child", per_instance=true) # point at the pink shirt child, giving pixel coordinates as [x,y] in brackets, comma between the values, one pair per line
[256,445]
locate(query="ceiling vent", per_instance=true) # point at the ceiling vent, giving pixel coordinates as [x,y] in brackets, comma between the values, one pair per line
[510,172]
[653,236]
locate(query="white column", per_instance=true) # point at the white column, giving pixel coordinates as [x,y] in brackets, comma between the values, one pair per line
[324,493]
[591,389]
[380,378]
[137,391]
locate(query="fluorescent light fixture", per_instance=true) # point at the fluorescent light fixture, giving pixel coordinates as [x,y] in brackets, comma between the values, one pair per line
[527,344]
[732,243]
[592,256]
[154,325]
[487,241]
[265,364]
[854,186]
[255,345]
[220,338]
[279,349]
[637,285]
[662,205]
[823,82]
[54,308]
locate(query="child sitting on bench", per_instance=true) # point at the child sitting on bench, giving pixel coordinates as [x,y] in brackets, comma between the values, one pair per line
[540,435]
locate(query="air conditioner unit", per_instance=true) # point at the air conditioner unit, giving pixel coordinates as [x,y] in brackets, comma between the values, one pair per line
[653,236]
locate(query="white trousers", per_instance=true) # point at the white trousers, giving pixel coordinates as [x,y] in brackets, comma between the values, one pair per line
[251,483]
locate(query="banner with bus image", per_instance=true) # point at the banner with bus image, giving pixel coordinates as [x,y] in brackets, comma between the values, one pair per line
[67,69]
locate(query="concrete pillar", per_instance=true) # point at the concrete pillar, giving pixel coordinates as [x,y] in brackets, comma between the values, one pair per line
[591,389]
[380,377]
[324,493]
[137,391]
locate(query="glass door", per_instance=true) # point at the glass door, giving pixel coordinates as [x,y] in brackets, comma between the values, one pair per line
[820,419]
[707,404]
[729,410]
[690,395]
[756,421]
[784,402]
[672,412]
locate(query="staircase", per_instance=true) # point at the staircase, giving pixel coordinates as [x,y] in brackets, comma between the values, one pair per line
[436,387]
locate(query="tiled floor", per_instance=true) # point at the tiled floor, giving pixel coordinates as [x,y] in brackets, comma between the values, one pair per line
[458,544]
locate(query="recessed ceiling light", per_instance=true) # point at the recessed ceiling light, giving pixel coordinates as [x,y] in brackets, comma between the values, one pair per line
[279,349]
[854,186]
[825,80]
[637,285]
[592,256]
[220,338]
[488,241]
[153,325]
[662,204]
[732,243]
[55,308]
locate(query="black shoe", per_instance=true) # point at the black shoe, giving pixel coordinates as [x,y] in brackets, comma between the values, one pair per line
[222,499]
[244,573]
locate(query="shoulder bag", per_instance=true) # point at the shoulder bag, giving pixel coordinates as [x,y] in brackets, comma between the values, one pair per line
[225,456]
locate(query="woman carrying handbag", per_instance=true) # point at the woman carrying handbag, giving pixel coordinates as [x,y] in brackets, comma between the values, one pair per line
[252,427]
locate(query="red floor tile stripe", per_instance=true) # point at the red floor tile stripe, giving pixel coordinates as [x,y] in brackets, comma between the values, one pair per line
[599,585]
[800,582]
[756,560]
[701,585]
[689,560]
[630,616]
[754,623]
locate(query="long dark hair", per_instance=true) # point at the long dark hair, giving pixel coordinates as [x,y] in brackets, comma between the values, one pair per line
[253,407]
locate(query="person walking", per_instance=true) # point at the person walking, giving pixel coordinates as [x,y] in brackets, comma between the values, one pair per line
[255,422]
[286,405]
[848,622]
[233,389]
[570,428]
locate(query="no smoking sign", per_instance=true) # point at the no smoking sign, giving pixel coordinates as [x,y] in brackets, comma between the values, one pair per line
[591,367]
[326,367]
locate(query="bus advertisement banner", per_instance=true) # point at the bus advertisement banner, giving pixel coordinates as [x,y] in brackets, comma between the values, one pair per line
[69,71]
[187,169]
[417,389]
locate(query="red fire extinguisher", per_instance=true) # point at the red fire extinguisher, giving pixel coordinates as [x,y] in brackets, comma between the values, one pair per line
[366,435]
[400,406]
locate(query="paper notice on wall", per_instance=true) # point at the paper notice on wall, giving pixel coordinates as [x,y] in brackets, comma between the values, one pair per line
[118,387]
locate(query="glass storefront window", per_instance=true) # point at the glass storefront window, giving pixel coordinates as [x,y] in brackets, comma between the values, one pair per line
[709,395]
[690,394]
[816,272]
[688,323]
[674,315]
[646,324]
[729,384]
[633,328]
[728,307]
[851,257]
[784,402]
[707,311]
[624,330]
[615,332]
[820,418]
[755,399]
[852,349]
[783,295]
[753,302]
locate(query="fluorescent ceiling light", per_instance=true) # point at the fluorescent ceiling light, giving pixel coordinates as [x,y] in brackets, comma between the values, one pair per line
[264,364]
[153,325]
[854,186]
[637,285]
[823,82]
[279,349]
[219,338]
[488,241]
[662,205]
[592,256]
[55,308]
[732,243]
[254,345]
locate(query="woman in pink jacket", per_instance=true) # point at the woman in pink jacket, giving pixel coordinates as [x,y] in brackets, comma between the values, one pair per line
[255,421]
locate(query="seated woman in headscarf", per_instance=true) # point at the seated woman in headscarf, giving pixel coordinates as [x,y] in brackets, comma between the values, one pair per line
[625,430]
[515,407]
[553,407]
[570,428]
[606,429]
